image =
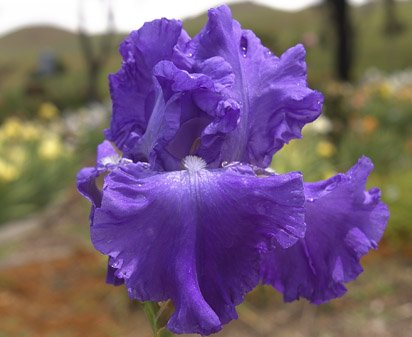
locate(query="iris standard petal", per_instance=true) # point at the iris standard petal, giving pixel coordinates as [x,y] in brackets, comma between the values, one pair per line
[343,223]
[162,105]
[207,114]
[275,100]
[195,236]
[185,105]
[132,87]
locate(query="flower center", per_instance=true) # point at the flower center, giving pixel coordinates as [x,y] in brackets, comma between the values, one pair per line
[194,163]
[111,160]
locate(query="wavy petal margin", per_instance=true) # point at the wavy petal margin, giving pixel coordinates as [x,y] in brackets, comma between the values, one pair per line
[343,223]
[194,236]
[163,105]
[133,87]
[275,100]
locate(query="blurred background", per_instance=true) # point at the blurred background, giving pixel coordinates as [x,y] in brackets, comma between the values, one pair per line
[54,103]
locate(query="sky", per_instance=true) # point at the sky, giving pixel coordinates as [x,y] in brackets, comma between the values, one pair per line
[128,14]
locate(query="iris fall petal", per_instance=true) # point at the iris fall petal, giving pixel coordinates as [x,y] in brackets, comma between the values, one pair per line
[343,223]
[194,236]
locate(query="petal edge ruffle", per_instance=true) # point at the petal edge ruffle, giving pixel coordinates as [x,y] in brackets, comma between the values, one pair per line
[343,222]
[195,237]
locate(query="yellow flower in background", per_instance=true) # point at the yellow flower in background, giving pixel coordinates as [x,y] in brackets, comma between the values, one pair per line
[14,128]
[50,148]
[8,172]
[47,111]
[11,128]
[385,90]
[31,131]
[325,149]
[328,174]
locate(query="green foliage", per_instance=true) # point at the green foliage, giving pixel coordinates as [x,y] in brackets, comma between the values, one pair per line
[396,192]
[372,119]
[312,155]
[39,158]
[278,30]
[379,124]
[33,163]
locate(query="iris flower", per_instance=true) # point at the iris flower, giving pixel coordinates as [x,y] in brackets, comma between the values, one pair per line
[188,210]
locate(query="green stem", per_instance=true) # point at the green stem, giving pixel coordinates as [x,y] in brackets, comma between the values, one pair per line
[153,313]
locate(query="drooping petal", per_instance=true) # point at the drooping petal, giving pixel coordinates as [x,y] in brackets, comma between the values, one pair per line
[194,236]
[86,177]
[107,159]
[343,223]
[132,87]
[276,102]
[86,184]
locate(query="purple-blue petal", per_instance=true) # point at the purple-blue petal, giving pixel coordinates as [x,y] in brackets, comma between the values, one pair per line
[111,277]
[105,150]
[107,159]
[195,236]
[163,105]
[133,86]
[343,222]
[185,104]
[275,100]
[86,184]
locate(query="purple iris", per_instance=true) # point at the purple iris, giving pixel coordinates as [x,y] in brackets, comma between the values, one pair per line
[187,211]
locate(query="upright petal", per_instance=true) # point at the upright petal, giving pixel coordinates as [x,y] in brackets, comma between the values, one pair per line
[162,105]
[343,223]
[194,236]
[275,100]
[185,105]
[132,87]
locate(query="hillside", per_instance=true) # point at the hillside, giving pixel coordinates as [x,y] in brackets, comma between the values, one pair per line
[20,52]
[37,39]
[271,25]
[278,30]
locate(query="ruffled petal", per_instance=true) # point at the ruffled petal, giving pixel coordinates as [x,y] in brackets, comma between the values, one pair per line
[187,104]
[343,223]
[132,87]
[162,104]
[195,236]
[183,53]
[275,100]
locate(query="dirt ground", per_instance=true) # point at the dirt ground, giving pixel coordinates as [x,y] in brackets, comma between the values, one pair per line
[52,285]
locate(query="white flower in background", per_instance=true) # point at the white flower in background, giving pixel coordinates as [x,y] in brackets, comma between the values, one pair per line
[322,126]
